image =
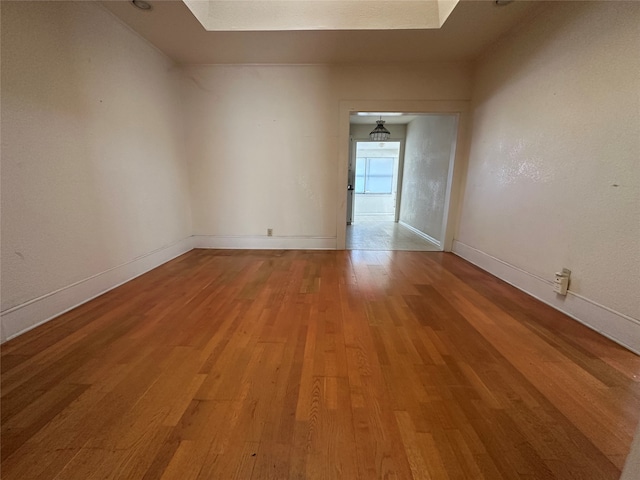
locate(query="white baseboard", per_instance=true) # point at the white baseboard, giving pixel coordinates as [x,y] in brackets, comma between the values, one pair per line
[428,238]
[28,315]
[257,242]
[620,328]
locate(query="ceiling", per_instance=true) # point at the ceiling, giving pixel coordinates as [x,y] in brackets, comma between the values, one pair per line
[472,26]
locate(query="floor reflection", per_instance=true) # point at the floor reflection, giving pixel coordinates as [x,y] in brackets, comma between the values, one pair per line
[371,235]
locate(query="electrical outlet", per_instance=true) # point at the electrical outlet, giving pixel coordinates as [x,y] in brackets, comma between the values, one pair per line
[561,282]
[269,232]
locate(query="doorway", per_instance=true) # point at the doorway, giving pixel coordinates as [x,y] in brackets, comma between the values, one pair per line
[375,181]
[374,175]
[398,189]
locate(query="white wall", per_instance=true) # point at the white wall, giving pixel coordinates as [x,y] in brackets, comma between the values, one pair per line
[263,144]
[94,182]
[554,174]
[427,155]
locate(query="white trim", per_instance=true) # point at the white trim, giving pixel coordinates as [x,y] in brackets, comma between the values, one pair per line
[447,233]
[262,242]
[616,326]
[28,315]
[428,238]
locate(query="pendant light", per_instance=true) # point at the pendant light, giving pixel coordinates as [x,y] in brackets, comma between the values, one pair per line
[379,134]
[141,4]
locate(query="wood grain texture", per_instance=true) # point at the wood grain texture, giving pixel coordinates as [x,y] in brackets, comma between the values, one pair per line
[316,365]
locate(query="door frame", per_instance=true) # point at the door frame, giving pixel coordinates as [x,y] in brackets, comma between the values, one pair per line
[457,164]
[352,157]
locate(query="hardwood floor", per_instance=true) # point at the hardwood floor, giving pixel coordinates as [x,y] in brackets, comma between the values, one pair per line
[316,365]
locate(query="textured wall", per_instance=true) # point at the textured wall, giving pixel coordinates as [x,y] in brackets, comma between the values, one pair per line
[93,172]
[554,173]
[428,148]
[262,147]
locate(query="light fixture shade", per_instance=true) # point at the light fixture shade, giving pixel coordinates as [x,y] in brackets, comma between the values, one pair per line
[141,4]
[379,134]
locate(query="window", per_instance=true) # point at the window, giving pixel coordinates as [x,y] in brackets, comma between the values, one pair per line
[374,175]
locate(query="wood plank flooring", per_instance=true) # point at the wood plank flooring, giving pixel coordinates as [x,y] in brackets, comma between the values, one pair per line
[316,365]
